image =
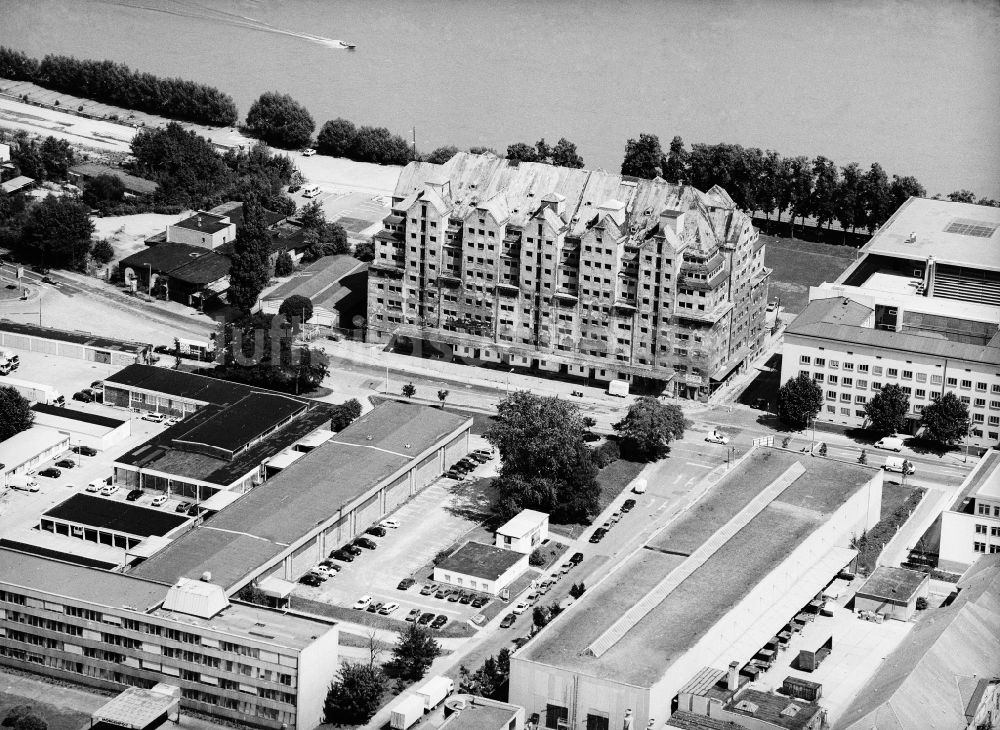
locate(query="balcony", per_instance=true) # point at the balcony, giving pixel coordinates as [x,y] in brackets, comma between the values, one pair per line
[626,303]
[567,295]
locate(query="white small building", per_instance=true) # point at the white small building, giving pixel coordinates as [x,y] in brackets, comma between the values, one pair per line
[971,528]
[82,427]
[523,532]
[24,451]
[482,568]
[206,230]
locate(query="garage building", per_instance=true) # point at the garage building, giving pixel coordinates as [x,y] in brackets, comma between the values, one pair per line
[108,522]
[24,451]
[80,345]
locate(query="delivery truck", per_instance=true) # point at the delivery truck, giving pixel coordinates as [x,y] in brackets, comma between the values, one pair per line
[618,388]
[9,362]
[36,392]
[406,712]
[435,691]
[23,482]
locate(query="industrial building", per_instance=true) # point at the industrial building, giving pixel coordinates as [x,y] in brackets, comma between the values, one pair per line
[335,285]
[710,588]
[80,345]
[971,528]
[23,451]
[920,309]
[578,272]
[110,631]
[84,428]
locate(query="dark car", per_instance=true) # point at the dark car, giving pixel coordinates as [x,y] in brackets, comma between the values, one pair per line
[462,468]
[343,555]
[425,619]
[51,473]
[84,396]
[508,621]
[478,458]
[133,495]
[405,584]
[576,559]
[598,535]
[454,597]
[183,507]
[352,549]
[376,531]
[84,451]
[311,580]
[628,505]
[374,607]
[194,510]
[466,599]
[65,463]
[439,622]
[456,475]
[480,601]
[294,188]
[366,543]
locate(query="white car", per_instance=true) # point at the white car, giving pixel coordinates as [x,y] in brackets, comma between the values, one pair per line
[308,152]
[521,607]
[154,417]
[109,489]
[388,608]
[362,603]
[322,571]
[717,438]
[159,500]
[95,486]
[390,523]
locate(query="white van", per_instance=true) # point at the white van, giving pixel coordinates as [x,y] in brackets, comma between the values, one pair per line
[890,443]
[639,487]
[899,464]
[310,191]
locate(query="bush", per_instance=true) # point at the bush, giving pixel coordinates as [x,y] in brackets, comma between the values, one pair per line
[284,265]
[606,453]
[103,252]
[822,449]
[441,556]
[921,603]
[537,558]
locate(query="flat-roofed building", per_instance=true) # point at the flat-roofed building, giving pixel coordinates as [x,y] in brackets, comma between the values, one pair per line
[344,485]
[203,229]
[892,592]
[469,712]
[711,587]
[483,568]
[65,343]
[920,309]
[584,273]
[524,531]
[23,451]
[245,664]
[971,528]
[84,428]
[108,522]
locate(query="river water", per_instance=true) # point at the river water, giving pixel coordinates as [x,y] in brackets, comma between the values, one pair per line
[914,85]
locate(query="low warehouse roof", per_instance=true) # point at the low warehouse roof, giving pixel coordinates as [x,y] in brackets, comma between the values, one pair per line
[481,561]
[897,585]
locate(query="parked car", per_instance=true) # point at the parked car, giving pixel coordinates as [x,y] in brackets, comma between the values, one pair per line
[97,385]
[607,525]
[628,505]
[311,580]
[154,417]
[508,621]
[133,495]
[343,555]
[95,486]
[362,603]
[108,490]
[425,619]
[456,475]
[65,463]
[439,622]
[717,438]
[598,535]
[442,593]
[322,571]
[454,596]
[521,607]
[390,523]
[374,607]
[376,530]
[488,453]
[891,443]
[413,615]
[480,601]
[51,473]
[294,188]
[615,516]
[308,152]
[466,599]
[183,507]
[330,565]
[83,396]
[428,589]
[84,451]
[388,608]
[352,549]
[194,511]
[366,543]
[478,458]
[576,559]
[159,500]
[405,584]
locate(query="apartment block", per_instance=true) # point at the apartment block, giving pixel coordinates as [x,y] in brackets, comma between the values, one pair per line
[920,309]
[577,272]
[971,528]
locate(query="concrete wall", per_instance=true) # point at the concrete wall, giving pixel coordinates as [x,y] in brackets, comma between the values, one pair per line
[318,665]
[899,610]
[179,234]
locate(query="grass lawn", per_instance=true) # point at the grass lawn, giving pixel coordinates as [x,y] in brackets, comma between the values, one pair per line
[613,479]
[800,264]
[552,552]
[58,718]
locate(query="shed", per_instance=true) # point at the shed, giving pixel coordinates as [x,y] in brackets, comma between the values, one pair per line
[524,532]
[892,592]
[481,567]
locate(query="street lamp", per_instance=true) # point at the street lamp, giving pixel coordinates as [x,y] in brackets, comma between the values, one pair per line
[507,391]
[812,443]
[387,380]
[149,281]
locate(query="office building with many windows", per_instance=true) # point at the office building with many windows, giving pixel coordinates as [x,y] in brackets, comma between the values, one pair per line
[582,273]
[971,528]
[920,309]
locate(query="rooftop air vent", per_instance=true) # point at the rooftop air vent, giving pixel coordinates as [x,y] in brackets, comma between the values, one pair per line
[206,577]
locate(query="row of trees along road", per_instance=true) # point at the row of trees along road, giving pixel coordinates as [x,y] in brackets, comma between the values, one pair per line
[766,182]
[945,420]
[115,83]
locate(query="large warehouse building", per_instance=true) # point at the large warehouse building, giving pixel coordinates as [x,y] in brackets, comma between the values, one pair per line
[80,345]
[710,588]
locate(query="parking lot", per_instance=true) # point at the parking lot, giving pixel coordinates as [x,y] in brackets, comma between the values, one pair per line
[431,521]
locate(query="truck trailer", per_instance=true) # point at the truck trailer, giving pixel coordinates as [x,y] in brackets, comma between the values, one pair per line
[35,392]
[406,712]
[435,691]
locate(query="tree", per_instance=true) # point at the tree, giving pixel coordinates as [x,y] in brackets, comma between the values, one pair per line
[946,419]
[409,390]
[442,395]
[103,190]
[887,409]
[103,252]
[344,414]
[800,182]
[643,157]
[414,653]
[355,696]
[825,191]
[15,413]
[322,238]
[491,678]
[522,152]
[649,427]
[260,350]
[248,274]
[675,166]
[564,154]
[280,121]
[475,150]
[577,589]
[379,145]
[24,717]
[284,265]
[336,137]
[848,207]
[297,308]
[365,251]
[187,167]
[902,189]
[877,198]
[540,616]
[442,154]
[60,229]
[799,399]
[57,157]
[962,196]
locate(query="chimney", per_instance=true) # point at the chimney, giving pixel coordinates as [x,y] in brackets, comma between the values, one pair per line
[199,221]
[733,678]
